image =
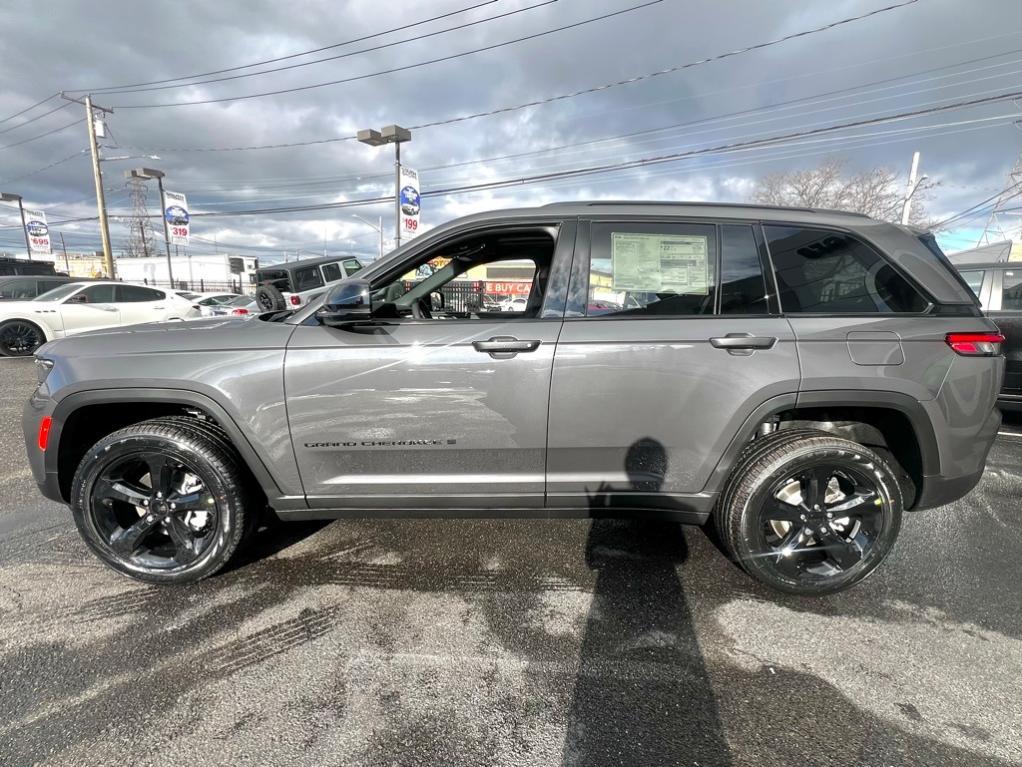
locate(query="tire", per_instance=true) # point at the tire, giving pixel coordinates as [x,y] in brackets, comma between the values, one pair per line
[20,338]
[270,299]
[163,501]
[772,517]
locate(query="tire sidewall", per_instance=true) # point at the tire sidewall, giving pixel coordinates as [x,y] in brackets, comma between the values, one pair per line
[748,543]
[273,294]
[117,448]
[42,338]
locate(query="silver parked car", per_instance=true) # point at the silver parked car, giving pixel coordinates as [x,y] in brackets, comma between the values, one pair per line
[798,377]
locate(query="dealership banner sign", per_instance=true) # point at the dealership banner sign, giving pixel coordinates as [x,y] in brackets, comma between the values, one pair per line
[409,202]
[38,231]
[175,209]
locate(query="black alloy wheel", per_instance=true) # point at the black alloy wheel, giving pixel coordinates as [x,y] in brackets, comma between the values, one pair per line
[153,511]
[166,500]
[20,338]
[808,512]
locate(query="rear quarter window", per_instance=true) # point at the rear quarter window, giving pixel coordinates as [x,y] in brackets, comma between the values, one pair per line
[822,271]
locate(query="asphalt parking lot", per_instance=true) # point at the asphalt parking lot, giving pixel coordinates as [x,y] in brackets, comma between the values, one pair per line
[508,642]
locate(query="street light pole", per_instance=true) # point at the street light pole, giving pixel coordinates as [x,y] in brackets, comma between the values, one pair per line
[378,228]
[396,135]
[148,173]
[7,197]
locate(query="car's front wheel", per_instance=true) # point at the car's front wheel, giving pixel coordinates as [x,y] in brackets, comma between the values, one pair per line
[808,512]
[20,338]
[162,501]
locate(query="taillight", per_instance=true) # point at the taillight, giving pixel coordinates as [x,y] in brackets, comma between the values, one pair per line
[239,311]
[44,432]
[296,300]
[975,344]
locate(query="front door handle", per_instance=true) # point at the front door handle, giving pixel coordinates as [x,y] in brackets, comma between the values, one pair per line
[505,347]
[742,344]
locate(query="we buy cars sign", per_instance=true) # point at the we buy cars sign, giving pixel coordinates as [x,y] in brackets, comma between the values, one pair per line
[38,231]
[175,209]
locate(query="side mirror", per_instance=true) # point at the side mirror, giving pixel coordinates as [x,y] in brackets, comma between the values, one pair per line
[348,302]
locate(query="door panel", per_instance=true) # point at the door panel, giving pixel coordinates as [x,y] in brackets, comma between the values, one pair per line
[412,415]
[78,318]
[641,406]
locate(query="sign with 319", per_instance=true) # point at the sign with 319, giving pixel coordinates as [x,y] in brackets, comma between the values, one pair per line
[175,210]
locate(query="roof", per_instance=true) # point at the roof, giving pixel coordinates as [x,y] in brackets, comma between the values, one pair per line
[305,262]
[984,254]
[702,207]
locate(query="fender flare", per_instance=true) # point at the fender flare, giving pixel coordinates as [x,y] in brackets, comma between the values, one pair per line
[910,407]
[73,402]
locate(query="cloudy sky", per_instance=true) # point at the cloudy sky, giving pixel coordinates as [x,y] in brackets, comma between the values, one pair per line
[927,53]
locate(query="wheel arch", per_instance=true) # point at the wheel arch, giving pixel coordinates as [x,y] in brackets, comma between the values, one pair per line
[892,420]
[48,332]
[81,416]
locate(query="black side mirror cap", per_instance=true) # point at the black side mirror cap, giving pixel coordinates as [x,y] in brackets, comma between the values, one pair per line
[348,301]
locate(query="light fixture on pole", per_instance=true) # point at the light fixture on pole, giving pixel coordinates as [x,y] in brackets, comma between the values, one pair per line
[149,173]
[6,197]
[396,135]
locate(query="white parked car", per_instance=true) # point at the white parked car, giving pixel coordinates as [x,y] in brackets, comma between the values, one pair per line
[237,306]
[80,306]
[209,302]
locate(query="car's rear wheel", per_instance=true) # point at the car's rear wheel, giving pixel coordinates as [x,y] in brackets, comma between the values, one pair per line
[809,513]
[162,501]
[20,338]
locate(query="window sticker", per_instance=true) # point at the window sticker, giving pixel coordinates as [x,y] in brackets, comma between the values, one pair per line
[660,263]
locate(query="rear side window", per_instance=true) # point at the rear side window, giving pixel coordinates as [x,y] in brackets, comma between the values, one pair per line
[307,278]
[831,272]
[1011,291]
[742,285]
[137,293]
[974,279]
[351,266]
[331,272]
[651,269]
[279,278]
[19,289]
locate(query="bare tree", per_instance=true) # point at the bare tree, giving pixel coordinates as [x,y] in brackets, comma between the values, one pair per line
[877,192]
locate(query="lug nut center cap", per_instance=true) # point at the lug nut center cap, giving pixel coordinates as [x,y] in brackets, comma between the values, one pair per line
[159,507]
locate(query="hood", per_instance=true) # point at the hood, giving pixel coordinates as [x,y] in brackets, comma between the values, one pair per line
[205,335]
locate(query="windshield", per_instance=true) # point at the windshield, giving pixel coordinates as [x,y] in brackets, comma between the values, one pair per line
[58,293]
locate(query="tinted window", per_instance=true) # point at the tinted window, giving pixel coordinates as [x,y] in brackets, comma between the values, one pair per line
[279,278]
[18,289]
[331,272]
[97,294]
[135,293]
[974,280]
[352,265]
[307,278]
[821,270]
[742,286]
[1011,290]
[43,285]
[651,269]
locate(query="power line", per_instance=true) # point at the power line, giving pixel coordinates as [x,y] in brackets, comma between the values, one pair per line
[70,157]
[42,135]
[594,89]
[392,70]
[33,119]
[289,56]
[981,204]
[643,162]
[29,109]
[343,55]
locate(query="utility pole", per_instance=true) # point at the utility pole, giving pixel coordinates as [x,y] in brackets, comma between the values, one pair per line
[913,185]
[97,174]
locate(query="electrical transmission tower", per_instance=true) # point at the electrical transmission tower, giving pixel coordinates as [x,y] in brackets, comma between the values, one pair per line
[141,236]
[1002,224]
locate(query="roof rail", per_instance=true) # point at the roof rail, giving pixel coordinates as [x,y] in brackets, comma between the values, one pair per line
[701,203]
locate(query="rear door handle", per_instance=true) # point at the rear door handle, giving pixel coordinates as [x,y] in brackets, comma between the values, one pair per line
[742,343]
[505,347]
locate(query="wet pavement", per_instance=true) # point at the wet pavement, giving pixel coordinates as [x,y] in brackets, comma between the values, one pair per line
[508,642]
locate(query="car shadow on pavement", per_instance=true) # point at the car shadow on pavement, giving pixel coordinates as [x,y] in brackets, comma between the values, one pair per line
[642,692]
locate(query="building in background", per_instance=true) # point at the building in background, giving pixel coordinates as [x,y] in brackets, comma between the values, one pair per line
[200,273]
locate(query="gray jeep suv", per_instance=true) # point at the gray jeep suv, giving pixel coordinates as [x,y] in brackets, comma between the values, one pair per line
[797,377]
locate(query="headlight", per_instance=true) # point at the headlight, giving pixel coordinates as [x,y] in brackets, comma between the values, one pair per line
[42,368]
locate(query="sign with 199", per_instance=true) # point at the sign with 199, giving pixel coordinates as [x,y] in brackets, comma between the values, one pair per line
[409,202]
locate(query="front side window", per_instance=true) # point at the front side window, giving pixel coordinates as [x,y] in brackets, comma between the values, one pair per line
[974,279]
[1011,290]
[96,294]
[651,269]
[827,271]
[307,278]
